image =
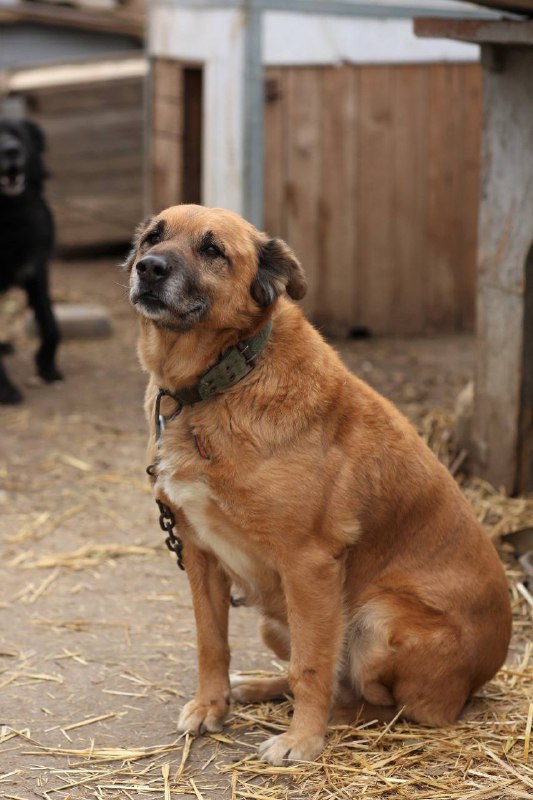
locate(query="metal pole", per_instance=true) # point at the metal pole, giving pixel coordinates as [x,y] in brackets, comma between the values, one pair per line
[253,121]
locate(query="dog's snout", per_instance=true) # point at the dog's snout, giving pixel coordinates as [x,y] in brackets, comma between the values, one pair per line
[153,268]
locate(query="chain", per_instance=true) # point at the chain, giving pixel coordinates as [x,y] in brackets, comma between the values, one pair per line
[167,521]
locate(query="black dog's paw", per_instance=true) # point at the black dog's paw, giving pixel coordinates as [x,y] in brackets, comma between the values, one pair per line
[49,373]
[6,349]
[10,395]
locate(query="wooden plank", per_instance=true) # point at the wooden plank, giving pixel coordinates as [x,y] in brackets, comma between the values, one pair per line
[192,144]
[167,117]
[406,285]
[524,481]
[375,196]
[338,310]
[115,95]
[166,82]
[166,144]
[78,133]
[166,171]
[275,144]
[443,212]
[470,113]
[507,32]
[304,108]
[453,195]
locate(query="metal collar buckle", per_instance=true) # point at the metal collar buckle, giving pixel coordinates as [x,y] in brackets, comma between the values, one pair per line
[160,420]
[246,352]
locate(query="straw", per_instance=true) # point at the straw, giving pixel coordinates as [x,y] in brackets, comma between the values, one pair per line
[486,755]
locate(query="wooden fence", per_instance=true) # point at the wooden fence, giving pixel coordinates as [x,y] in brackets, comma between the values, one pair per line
[371,175]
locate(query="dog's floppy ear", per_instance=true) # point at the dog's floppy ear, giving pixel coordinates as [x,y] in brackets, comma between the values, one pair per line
[139,230]
[278,269]
[37,145]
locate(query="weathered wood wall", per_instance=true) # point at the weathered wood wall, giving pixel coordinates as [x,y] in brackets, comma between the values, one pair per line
[372,175]
[167,134]
[94,152]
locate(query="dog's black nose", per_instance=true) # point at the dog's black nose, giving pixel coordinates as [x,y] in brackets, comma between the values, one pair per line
[153,268]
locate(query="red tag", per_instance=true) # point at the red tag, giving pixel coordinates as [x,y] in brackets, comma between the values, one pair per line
[200,447]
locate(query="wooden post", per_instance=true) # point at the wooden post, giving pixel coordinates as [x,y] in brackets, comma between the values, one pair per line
[503,417]
[503,408]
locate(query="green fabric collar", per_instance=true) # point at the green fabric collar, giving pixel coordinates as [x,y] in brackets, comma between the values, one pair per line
[232,367]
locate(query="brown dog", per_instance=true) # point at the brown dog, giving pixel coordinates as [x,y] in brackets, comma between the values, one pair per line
[311,492]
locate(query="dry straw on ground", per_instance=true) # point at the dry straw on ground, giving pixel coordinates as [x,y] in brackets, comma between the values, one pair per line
[486,756]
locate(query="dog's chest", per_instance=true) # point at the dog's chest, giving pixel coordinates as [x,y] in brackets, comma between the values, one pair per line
[212,526]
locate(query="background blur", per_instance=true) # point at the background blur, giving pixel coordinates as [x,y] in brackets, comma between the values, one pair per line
[371,142]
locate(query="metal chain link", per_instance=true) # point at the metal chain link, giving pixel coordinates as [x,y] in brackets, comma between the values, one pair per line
[167,521]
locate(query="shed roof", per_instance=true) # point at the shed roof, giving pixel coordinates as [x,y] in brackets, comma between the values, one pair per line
[25,44]
[518,33]
[516,6]
[363,8]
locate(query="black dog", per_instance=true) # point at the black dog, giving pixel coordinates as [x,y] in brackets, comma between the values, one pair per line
[26,240]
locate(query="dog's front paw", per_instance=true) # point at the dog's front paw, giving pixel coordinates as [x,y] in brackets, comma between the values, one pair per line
[10,395]
[198,716]
[292,746]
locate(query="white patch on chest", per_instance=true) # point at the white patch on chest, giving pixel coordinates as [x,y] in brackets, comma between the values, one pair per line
[195,500]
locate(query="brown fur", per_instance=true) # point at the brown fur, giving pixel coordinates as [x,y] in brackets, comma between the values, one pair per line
[365,561]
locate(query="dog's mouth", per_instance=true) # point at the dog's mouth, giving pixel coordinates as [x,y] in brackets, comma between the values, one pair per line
[182,316]
[12,182]
[147,301]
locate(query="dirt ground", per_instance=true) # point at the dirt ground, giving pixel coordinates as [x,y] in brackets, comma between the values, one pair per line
[97,648]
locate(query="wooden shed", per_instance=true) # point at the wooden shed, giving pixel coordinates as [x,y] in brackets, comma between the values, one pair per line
[80,72]
[503,413]
[329,124]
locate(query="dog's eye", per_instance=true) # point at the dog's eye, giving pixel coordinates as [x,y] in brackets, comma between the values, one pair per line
[212,251]
[154,237]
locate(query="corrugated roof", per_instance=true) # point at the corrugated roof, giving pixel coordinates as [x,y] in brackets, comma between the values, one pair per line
[363,8]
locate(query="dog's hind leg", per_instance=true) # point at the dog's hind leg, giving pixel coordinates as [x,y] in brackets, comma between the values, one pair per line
[39,300]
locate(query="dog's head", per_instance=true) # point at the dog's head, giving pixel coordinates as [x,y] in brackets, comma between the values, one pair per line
[192,266]
[21,150]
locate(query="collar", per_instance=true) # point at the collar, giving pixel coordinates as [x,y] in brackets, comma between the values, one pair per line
[232,367]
